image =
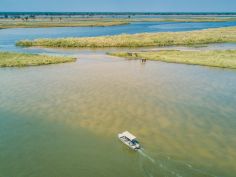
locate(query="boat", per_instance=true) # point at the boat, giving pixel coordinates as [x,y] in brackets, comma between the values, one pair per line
[130,140]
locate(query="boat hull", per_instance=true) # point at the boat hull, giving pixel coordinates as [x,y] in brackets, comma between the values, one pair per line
[128,143]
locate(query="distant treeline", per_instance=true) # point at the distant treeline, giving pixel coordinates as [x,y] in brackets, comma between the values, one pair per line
[32,15]
[114,13]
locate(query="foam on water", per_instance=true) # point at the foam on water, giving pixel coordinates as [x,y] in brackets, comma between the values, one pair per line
[141,151]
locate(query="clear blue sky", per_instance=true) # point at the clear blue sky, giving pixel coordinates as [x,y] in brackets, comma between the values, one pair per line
[119,5]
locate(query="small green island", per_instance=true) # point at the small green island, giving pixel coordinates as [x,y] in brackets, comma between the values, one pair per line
[11,59]
[215,58]
[59,22]
[221,58]
[214,35]
[49,22]
[184,19]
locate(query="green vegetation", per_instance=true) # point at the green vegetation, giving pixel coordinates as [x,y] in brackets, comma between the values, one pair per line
[59,22]
[10,59]
[185,19]
[216,35]
[217,58]
[32,22]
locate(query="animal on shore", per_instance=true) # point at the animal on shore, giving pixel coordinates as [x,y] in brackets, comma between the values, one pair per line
[143,60]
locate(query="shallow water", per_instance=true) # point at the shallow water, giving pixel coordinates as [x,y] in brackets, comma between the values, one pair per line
[63,120]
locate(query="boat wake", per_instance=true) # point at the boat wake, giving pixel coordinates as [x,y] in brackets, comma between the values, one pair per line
[167,166]
[146,163]
[141,151]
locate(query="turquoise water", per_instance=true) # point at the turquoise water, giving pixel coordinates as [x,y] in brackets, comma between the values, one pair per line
[63,120]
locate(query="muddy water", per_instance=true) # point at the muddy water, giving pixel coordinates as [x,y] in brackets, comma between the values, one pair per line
[63,120]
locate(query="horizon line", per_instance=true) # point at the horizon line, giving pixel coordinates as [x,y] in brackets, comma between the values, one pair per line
[118,11]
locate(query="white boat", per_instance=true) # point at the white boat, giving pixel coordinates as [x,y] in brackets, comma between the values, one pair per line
[129,139]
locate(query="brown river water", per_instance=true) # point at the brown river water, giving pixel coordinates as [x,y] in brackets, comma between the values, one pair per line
[63,120]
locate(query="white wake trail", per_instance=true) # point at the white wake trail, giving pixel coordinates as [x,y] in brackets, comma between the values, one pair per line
[146,155]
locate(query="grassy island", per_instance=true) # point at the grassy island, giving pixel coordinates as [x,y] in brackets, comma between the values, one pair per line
[185,19]
[10,59]
[59,22]
[214,35]
[47,22]
[217,58]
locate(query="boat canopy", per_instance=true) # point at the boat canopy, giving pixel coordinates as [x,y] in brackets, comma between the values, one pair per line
[129,135]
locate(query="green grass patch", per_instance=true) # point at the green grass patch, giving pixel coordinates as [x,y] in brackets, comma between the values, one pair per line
[56,22]
[187,19]
[10,59]
[214,35]
[103,22]
[216,58]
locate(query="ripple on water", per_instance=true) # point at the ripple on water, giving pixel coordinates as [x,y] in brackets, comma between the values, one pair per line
[185,112]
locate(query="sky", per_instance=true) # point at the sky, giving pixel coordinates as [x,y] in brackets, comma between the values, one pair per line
[118,5]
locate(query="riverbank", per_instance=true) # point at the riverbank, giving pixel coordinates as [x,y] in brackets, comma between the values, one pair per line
[185,19]
[214,35]
[58,22]
[10,59]
[48,22]
[215,58]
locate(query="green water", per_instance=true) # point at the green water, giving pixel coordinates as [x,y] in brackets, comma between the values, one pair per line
[62,120]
